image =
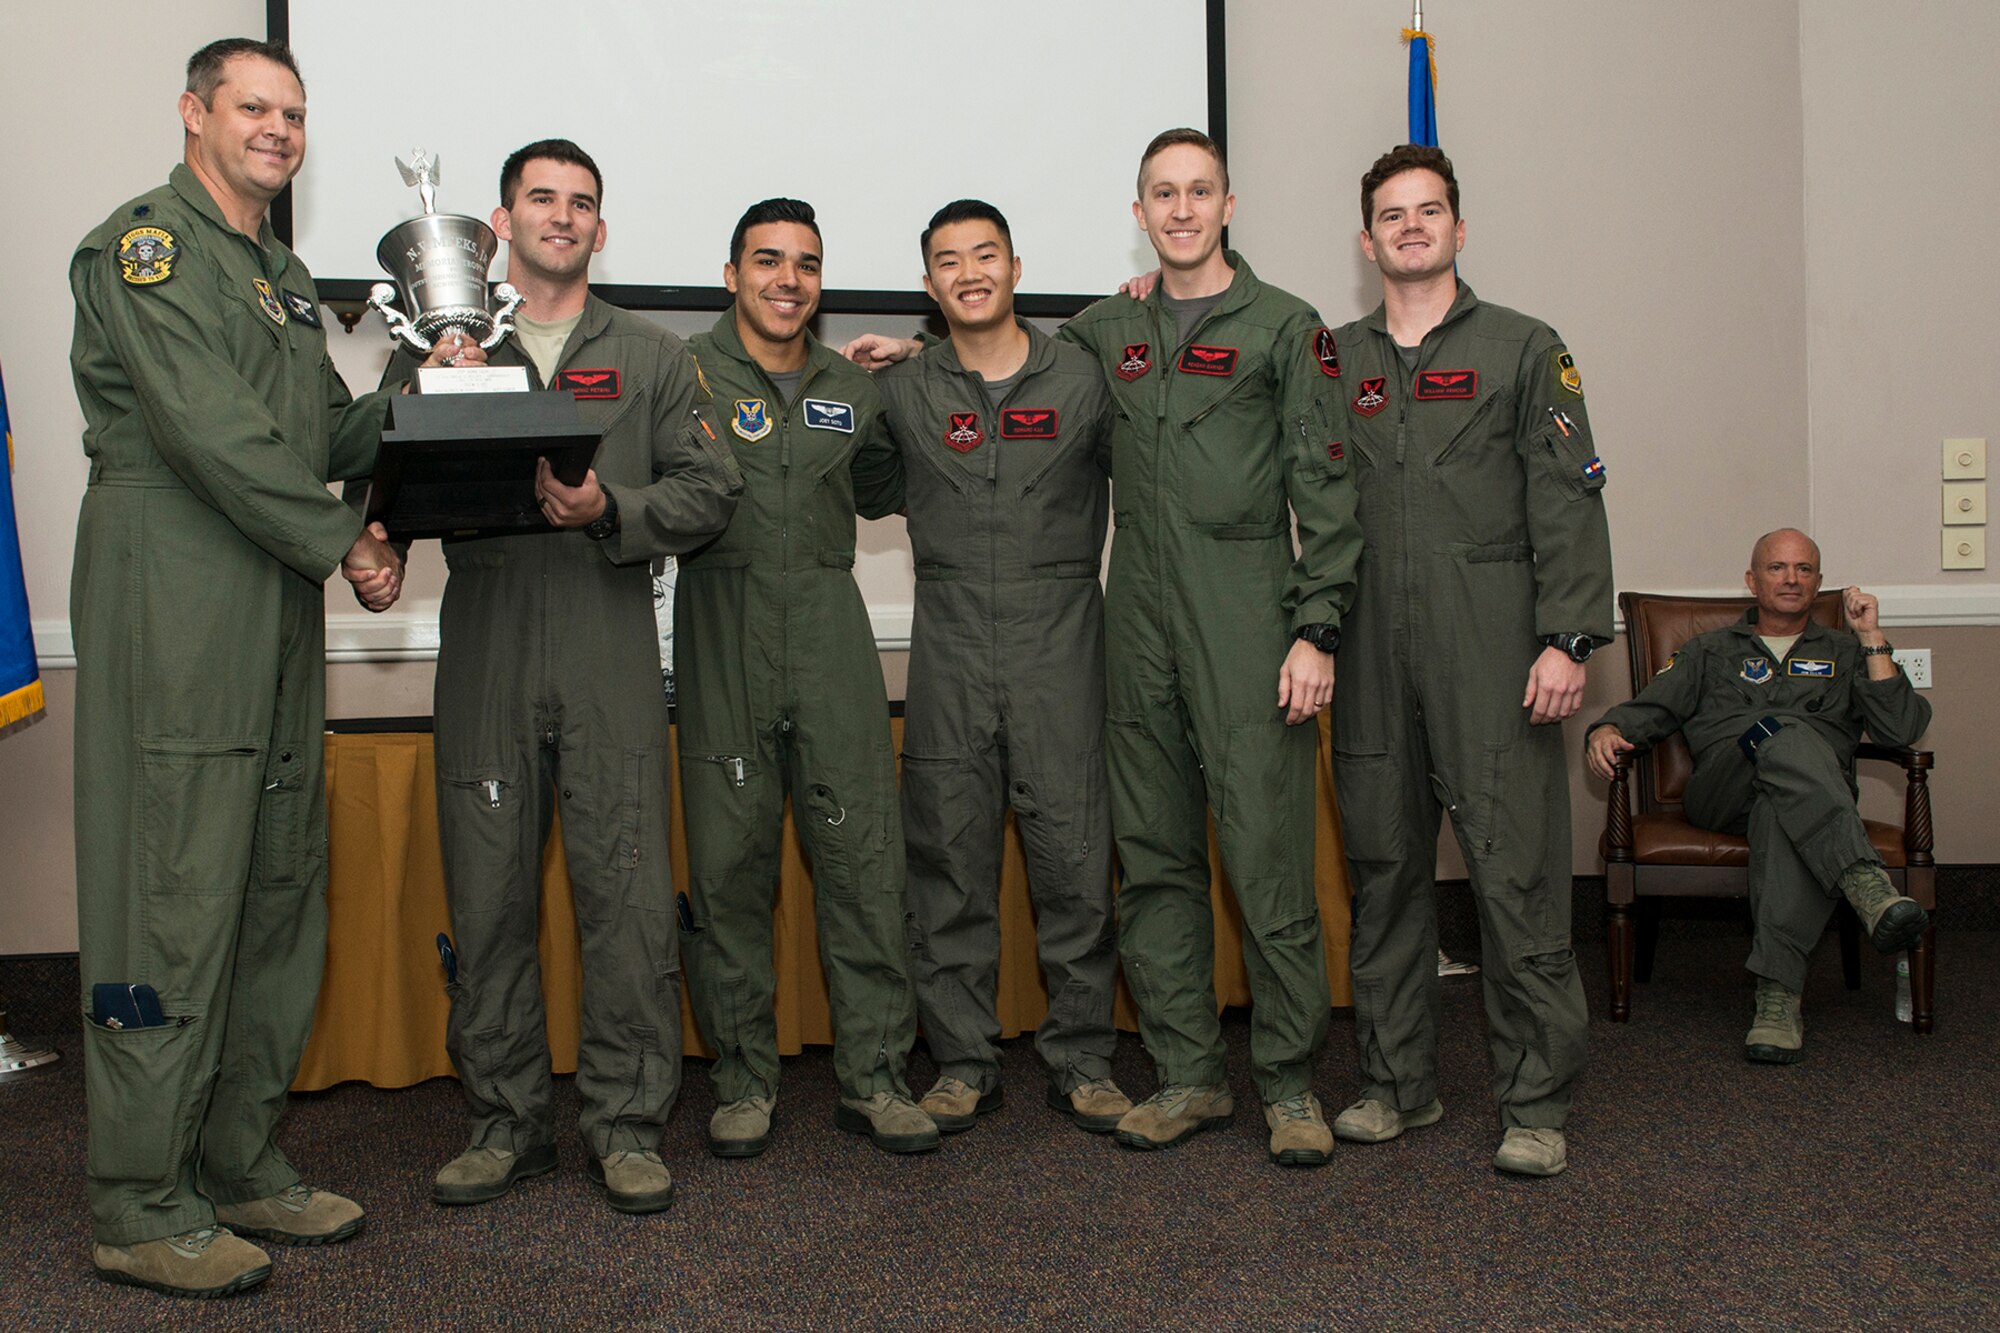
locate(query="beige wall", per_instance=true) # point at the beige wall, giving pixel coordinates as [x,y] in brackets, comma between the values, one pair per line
[1759,227]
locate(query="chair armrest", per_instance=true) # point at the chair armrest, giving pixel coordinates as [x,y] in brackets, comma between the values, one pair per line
[1916,765]
[1618,811]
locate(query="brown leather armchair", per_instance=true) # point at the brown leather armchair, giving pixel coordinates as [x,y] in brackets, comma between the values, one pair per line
[1652,851]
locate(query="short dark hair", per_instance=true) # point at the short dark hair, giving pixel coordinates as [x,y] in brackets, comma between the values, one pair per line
[205,66]
[965,210]
[1166,139]
[772,210]
[1402,158]
[554,150]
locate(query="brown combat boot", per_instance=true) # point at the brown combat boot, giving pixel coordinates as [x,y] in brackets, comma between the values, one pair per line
[1777,1033]
[1175,1112]
[295,1215]
[955,1106]
[1299,1136]
[1095,1107]
[204,1263]
[1893,922]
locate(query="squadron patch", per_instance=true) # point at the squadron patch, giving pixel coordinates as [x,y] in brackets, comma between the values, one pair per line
[1756,670]
[824,414]
[303,309]
[269,300]
[589,383]
[963,434]
[1135,361]
[1435,385]
[1371,399]
[146,255]
[1672,662]
[1028,423]
[752,420]
[1326,353]
[1566,372]
[1809,666]
[1199,360]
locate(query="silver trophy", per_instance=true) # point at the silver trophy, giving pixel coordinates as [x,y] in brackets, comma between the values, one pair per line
[439,264]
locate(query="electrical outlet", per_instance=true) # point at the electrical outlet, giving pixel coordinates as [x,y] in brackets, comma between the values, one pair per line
[1965,460]
[1916,664]
[1964,548]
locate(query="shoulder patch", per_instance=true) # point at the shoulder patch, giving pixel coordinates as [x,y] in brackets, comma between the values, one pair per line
[146,255]
[1327,353]
[1567,374]
[1673,661]
[825,414]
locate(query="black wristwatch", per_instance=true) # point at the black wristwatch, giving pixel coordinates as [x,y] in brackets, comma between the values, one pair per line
[605,523]
[1324,637]
[1577,647]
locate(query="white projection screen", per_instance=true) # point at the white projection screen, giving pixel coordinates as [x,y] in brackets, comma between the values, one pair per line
[875,111]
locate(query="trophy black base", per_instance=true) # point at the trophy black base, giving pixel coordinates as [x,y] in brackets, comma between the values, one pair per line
[463,464]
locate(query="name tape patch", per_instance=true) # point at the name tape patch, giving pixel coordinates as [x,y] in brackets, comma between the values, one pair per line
[824,414]
[1436,385]
[1028,423]
[589,383]
[1199,360]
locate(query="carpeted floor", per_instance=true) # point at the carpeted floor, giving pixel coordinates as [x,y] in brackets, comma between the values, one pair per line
[1857,1189]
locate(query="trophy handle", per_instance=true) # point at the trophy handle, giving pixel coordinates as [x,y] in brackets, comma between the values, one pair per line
[503,318]
[379,297]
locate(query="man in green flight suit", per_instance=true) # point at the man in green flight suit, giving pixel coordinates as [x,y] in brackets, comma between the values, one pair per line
[213,421]
[1486,569]
[781,692]
[1006,439]
[1223,438]
[548,682]
[1773,708]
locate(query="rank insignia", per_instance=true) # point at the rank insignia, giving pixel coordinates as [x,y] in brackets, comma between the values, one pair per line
[753,421]
[303,309]
[1809,666]
[589,383]
[1371,399]
[827,415]
[146,255]
[1594,469]
[1567,374]
[963,434]
[1028,423]
[1326,353]
[1135,361]
[142,210]
[1756,670]
[1434,385]
[1672,662]
[1199,360]
[269,300]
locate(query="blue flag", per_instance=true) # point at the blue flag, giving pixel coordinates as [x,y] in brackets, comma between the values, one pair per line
[1423,88]
[20,680]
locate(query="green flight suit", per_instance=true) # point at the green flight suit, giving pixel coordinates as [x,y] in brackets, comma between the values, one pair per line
[1795,801]
[213,421]
[548,681]
[1007,510]
[1214,437]
[1484,529]
[781,692]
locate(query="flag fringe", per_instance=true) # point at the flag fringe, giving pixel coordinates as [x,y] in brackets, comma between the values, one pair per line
[1431,48]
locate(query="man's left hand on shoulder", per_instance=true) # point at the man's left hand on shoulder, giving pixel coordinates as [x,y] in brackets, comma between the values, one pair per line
[1555,687]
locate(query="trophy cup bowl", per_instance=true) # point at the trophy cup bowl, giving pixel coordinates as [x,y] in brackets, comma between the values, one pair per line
[438,262]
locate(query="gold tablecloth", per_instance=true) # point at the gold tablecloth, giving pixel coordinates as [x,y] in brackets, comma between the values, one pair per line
[382,1008]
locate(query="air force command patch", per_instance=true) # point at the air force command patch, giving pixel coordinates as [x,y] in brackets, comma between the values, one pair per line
[146,255]
[1135,362]
[752,420]
[823,414]
[1756,670]
[269,300]
[963,433]
[1567,374]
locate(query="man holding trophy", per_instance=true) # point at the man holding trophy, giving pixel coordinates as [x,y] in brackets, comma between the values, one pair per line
[213,421]
[548,684]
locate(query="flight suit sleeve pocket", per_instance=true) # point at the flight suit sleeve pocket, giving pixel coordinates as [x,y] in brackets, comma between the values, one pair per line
[1322,450]
[1570,459]
[151,1073]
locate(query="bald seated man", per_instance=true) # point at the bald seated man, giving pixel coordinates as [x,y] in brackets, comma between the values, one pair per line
[1773,708]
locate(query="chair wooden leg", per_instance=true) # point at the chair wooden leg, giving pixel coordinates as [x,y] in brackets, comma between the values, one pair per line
[1850,945]
[1922,958]
[1618,957]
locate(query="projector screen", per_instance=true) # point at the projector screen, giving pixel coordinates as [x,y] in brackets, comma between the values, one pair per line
[874,111]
